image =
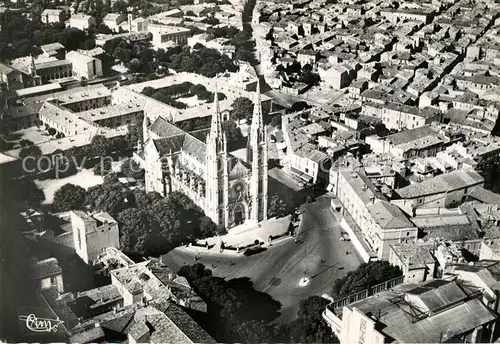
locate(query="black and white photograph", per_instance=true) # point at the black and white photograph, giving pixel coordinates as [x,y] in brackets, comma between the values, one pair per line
[249,171]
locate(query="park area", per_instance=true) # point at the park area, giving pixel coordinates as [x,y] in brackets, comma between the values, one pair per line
[84,178]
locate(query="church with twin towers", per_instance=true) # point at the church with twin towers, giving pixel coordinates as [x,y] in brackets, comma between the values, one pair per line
[229,189]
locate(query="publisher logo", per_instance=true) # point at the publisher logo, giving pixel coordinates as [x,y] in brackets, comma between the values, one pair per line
[35,324]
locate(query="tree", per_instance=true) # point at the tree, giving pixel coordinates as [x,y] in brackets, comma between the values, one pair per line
[298,106]
[207,227]
[22,191]
[310,327]
[112,198]
[52,131]
[26,143]
[136,227]
[130,168]
[148,91]
[229,302]
[277,207]
[100,146]
[69,197]
[33,151]
[233,132]
[366,276]
[103,167]
[242,108]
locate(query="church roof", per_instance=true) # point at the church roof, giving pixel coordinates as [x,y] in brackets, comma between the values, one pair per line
[187,142]
[194,147]
[163,128]
[169,144]
[201,134]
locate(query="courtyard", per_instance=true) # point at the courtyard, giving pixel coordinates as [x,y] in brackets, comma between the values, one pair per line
[84,178]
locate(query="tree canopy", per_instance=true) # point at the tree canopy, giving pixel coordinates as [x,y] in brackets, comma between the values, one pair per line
[309,327]
[204,61]
[21,36]
[229,302]
[242,108]
[366,276]
[277,207]
[69,197]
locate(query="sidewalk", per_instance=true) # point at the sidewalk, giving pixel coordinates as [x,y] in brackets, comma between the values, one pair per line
[247,234]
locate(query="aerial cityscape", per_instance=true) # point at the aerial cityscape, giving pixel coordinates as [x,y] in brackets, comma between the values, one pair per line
[250,171]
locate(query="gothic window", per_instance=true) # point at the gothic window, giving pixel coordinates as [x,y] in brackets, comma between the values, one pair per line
[239,189]
[221,196]
[260,186]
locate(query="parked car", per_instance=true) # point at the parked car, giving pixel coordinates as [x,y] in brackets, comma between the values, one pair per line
[251,251]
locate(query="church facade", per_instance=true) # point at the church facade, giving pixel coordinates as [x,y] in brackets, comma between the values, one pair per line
[230,190]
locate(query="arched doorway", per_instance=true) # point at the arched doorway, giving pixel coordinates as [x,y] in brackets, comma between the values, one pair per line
[239,214]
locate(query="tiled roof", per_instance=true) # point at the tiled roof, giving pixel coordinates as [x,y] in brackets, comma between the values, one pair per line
[388,216]
[100,296]
[163,128]
[483,195]
[46,268]
[442,183]
[415,256]
[194,147]
[410,135]
[169,144]
[396,320]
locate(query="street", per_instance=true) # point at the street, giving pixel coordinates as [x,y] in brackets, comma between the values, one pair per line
[277,271]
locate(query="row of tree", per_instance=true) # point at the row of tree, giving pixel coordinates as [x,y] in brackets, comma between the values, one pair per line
[201,60]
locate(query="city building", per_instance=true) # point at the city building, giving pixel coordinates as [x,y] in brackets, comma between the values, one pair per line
[81,21]
[400,116]
[435,311]
[88,234]
[47,274]
[84,66]
[372,222]
[50,16]
[165,33]
[113,20]
[442,191]
[413,143]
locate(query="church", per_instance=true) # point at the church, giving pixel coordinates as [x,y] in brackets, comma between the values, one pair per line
[230,190]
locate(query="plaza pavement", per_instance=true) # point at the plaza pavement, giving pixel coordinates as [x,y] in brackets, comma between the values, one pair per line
[319,255]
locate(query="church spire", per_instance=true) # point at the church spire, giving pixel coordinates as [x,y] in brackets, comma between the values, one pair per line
[32,67]
[216,127]
[257,121]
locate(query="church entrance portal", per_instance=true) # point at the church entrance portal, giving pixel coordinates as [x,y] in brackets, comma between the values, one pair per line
[239,214]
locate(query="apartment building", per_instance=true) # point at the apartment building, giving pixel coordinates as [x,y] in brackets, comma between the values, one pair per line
[113,20]
[381,223]
[165,33]
[399,116]
[443,191]
[50,16]
[436,311]
[420,142]
[84,66]
[81,21]
[303,158]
